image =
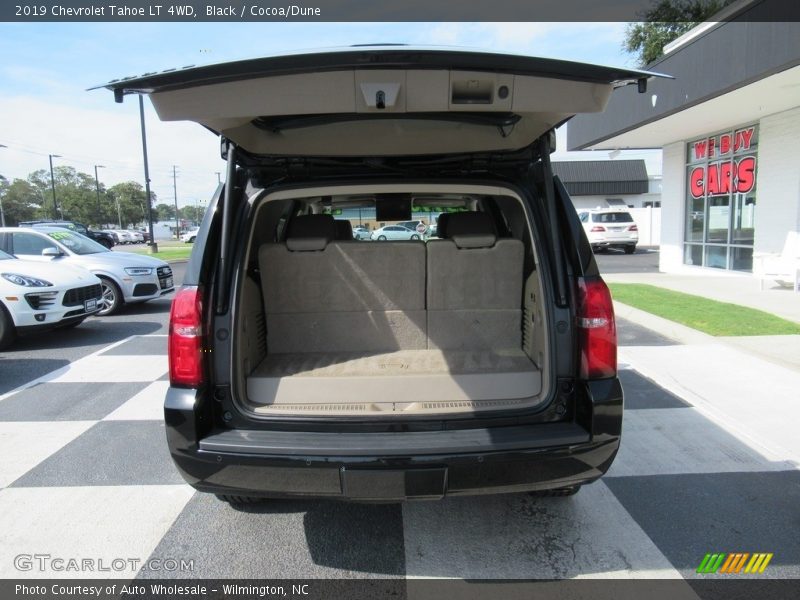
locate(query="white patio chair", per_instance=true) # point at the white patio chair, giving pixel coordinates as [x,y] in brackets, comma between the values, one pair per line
[783,268]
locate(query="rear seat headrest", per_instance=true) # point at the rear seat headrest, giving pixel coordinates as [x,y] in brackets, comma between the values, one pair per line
[344,230]
[471,229]
[310,232]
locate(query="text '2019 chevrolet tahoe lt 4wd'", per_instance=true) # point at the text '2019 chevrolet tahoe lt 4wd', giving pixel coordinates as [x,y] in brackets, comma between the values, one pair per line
[305,363]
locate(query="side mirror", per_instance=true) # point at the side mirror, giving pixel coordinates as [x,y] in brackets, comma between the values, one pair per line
[52,252]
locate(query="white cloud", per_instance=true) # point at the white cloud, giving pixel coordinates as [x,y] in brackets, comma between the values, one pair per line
[33,127]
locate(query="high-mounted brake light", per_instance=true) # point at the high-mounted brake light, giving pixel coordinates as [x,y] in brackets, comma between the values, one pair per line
[597,330]
[186,338]
[633,228]
[598,228]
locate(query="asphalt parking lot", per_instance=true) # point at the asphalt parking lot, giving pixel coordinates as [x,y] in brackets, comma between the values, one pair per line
[86,473]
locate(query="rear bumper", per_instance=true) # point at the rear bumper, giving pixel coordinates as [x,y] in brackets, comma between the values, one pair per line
[391,466]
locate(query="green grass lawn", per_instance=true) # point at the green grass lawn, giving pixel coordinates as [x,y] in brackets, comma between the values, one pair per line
[166,252]
[709,316]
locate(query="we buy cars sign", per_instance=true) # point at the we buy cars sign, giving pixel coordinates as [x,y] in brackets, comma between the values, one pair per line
[737,175]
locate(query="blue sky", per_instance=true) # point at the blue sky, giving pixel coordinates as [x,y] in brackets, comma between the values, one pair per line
[44,108]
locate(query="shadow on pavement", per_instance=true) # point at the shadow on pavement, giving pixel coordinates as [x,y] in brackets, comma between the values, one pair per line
[16,372]
[93,332]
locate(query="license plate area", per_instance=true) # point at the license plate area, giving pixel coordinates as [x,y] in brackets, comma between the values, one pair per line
[90,305]
[394,484]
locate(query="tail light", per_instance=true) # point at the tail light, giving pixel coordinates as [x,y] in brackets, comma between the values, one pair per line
[598,228]
[597,330]
[633,228]
[186,338]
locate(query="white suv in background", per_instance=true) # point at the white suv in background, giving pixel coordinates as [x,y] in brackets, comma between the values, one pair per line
[610,228]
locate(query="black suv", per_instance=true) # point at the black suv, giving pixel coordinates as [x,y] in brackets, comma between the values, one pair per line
[303,363]
[101,237]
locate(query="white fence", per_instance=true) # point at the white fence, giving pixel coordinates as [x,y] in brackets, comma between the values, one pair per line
[648,220]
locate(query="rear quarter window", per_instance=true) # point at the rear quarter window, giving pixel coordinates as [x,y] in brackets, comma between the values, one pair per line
[617,217]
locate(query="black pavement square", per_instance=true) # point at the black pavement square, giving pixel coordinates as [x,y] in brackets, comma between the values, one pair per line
[286,539]
[688,516]
[67,401]
[109,453]
[139,346]
[643,393]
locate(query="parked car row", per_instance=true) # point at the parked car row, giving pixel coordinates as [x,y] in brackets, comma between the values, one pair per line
[128,236]
[53,277]
[101,237]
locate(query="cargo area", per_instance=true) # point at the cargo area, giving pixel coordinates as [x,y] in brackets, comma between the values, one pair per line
[450,323]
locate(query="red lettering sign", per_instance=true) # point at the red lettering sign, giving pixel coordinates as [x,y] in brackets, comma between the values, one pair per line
[746,174]
[724,144]
[744,138]
[697,183]
[718,179]
[700,149]
[725,177]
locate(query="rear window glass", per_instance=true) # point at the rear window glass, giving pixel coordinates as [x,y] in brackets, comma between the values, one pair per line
[614,217]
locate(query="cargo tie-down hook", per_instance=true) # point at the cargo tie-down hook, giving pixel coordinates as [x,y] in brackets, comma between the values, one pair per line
[380,99]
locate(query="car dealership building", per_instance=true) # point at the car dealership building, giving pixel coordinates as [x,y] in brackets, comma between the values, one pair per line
[729,128]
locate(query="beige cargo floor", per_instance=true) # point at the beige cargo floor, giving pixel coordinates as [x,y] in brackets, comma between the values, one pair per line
[404,380]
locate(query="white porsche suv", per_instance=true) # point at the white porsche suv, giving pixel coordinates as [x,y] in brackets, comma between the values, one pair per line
[38,297]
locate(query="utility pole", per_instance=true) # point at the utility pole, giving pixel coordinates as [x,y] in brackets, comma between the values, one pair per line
[153,245]
[53,185]
[2,214]
[175,191]
[97,187]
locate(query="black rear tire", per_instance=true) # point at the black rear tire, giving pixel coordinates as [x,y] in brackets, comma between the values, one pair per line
[8,333]
[630,249]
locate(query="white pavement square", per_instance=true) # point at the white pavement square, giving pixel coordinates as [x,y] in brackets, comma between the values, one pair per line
[518,536]
[113,369]
[99,523]
[753,399]
[682,440]
[146,405]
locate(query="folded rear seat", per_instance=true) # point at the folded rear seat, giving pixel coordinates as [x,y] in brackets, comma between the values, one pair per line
[323,295]
[474,291]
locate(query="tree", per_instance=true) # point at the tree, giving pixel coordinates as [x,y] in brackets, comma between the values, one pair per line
[164,212]
[132,201]
[21,201]
[666,21]
[191,212]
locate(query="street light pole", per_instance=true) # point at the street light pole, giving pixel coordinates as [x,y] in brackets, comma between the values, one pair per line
[97,187]
[53,185]
[153,245]
[175,191]
[2,214]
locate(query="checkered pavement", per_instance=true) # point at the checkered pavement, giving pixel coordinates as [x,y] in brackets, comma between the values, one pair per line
[86,474]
